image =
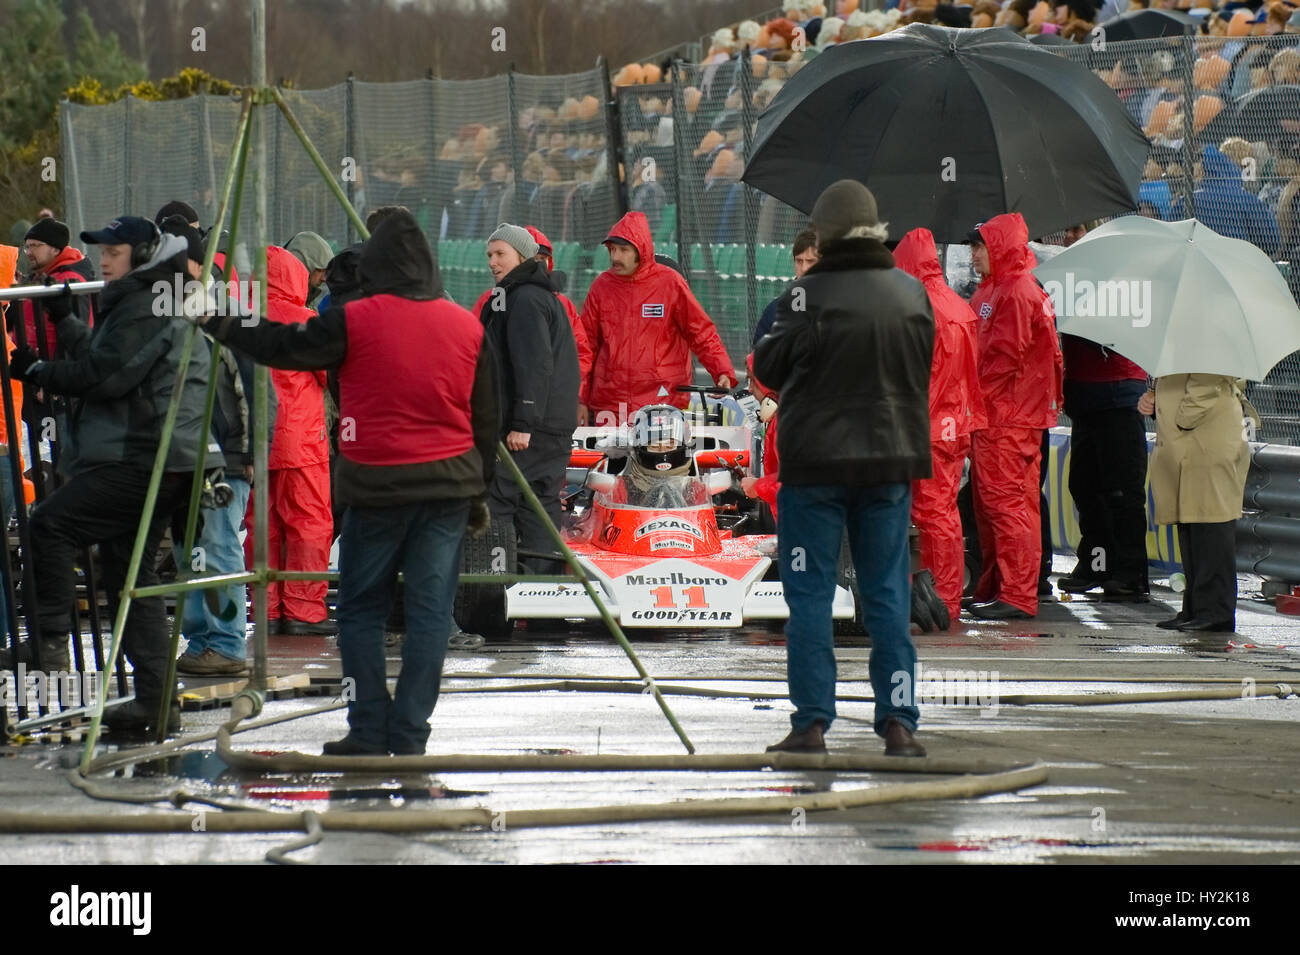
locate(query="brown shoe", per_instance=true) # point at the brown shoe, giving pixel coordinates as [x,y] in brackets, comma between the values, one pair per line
[899,741]
[209,663]
[802,741]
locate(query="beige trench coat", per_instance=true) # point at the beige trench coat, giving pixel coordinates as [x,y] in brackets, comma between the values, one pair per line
[1198,468]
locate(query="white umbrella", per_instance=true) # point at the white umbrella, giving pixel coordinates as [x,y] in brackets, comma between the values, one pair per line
[1174,297]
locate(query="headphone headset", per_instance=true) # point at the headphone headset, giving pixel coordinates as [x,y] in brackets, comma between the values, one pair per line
[144,251]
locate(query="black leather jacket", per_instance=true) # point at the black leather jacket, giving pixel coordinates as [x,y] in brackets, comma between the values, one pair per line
[850,353]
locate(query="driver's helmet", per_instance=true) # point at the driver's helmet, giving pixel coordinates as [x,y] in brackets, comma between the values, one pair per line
[660,437]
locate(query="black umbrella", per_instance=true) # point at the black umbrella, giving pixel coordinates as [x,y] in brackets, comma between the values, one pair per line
[1143,25]
[949,127]
[1050,39]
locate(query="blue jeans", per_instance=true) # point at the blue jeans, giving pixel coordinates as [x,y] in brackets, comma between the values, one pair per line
[223,554]
[811,524]
[423,541]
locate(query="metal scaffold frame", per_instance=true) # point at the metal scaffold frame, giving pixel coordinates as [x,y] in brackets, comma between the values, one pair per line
[250,140]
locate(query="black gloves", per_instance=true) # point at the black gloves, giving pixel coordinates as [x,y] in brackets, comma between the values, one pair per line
[59,307]
[479,519]
[21,361]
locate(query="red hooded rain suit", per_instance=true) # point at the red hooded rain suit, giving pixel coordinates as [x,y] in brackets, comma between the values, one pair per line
[1020,371]
[642,330]
[300,528]
[956,409]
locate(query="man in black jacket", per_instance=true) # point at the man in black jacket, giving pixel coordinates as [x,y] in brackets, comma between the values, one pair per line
[538,378]
[119,377]
[850,353]
[417,444]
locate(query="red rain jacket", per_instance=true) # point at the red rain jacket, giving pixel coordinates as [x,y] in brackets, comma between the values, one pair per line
[1020,366]
[642,330]
[956,403]
[300,437]
[68,266]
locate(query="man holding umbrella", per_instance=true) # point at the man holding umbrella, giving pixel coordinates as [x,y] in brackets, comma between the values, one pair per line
[850,353]
[1020,373]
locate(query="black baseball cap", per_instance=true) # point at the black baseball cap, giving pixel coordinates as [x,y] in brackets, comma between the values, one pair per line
[124,230]
[974,235]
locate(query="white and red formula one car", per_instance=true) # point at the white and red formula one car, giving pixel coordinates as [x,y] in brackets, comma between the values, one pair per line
[673,556]
[687,552]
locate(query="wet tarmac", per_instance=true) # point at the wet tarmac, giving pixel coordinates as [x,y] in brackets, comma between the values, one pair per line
[1189,781]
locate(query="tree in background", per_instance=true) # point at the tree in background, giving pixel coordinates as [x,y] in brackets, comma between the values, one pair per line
[316,43]
[43,55]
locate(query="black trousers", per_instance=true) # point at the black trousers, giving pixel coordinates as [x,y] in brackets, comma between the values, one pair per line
[103,506]
[543,463]
[1210,565]
[1108,469]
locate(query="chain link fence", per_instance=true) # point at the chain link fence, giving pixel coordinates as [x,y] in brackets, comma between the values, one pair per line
[462,155]
[569,155]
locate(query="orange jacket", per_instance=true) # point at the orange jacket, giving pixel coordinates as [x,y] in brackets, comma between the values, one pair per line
[8,268]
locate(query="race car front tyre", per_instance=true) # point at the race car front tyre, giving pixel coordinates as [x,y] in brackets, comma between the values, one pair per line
[481,608]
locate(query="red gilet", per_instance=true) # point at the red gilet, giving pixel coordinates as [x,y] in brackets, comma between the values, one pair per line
[404,389]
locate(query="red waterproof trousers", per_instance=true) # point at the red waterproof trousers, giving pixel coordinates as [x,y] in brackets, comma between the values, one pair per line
[299,534]
[1007,482]
[934,512]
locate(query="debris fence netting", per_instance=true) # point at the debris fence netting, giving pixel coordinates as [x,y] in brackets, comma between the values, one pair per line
[570,154]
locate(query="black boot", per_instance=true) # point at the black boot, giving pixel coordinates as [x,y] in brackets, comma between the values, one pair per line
[54,655]
[139,716]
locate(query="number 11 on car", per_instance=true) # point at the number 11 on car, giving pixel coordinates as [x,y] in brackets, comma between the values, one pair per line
[664,598]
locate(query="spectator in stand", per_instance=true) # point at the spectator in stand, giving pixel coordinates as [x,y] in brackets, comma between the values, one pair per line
[1223,203]
[483,209]
[1020,371]
[647,195]
[642,324]
[177,208]
[805,257]
[956,410]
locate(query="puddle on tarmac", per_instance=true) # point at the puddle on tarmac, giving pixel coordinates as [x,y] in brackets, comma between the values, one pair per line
[292,789]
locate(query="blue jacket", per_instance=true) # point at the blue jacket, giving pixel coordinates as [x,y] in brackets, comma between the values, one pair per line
[1225,205]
